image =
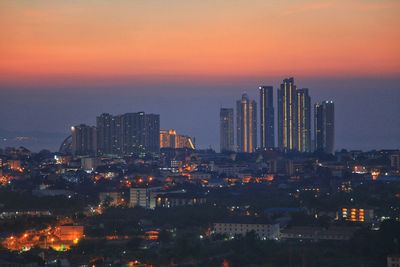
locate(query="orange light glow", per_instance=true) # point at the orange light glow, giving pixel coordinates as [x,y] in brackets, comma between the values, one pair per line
[151,235]
[375,174]
[218,38]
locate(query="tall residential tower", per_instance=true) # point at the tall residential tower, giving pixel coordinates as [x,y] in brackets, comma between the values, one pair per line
[109,138]
[267,136]
[246,127]
[130,133]
[303,120]
[83,140]
[324,126]
[226,131]
[287,116]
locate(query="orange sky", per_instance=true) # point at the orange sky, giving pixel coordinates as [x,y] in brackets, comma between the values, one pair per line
[212,38]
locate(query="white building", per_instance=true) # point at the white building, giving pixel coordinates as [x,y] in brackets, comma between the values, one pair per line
[263,230]
[143,197]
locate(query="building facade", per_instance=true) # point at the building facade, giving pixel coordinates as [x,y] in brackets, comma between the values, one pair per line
[263,230]
[267,120]
[226,130]
[287,116]
[109,138]
[246,125]
[126,134]
[143,197]
[354,214]
[317,233]
[318,127]
[133,132]
[171,139]
[324,126]
[171,200]
[303,120]
[152,133]
[84,140]
[139,197]
[395,162]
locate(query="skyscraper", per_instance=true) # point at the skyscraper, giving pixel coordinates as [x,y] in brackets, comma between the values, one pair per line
[108,138]
[329,127]
[152,133]
[246,127]
[226,131]
[130,133]
[267,136]
[324,126]
[133,128]
[83,140]
[141,132]
[318,127]
[287,116]
[303,120]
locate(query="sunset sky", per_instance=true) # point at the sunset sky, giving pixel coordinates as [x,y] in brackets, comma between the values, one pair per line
[211,38]
[64,62]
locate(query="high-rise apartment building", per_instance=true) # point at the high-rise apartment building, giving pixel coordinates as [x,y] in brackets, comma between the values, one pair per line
[109,139]
[152,133]
[318,127]
[324,126]
[267,134]
[287,116]
[83,140]
[303,120]
[246,127]
[226,130]
[133,129]
[130,133]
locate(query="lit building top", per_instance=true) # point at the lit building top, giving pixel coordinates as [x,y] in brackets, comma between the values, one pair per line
[171,139]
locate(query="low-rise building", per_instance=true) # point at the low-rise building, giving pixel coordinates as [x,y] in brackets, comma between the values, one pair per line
[230,169]
[354,214]
[395,161]
[318,233]
[142,196]
[263,229]
[170,200]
